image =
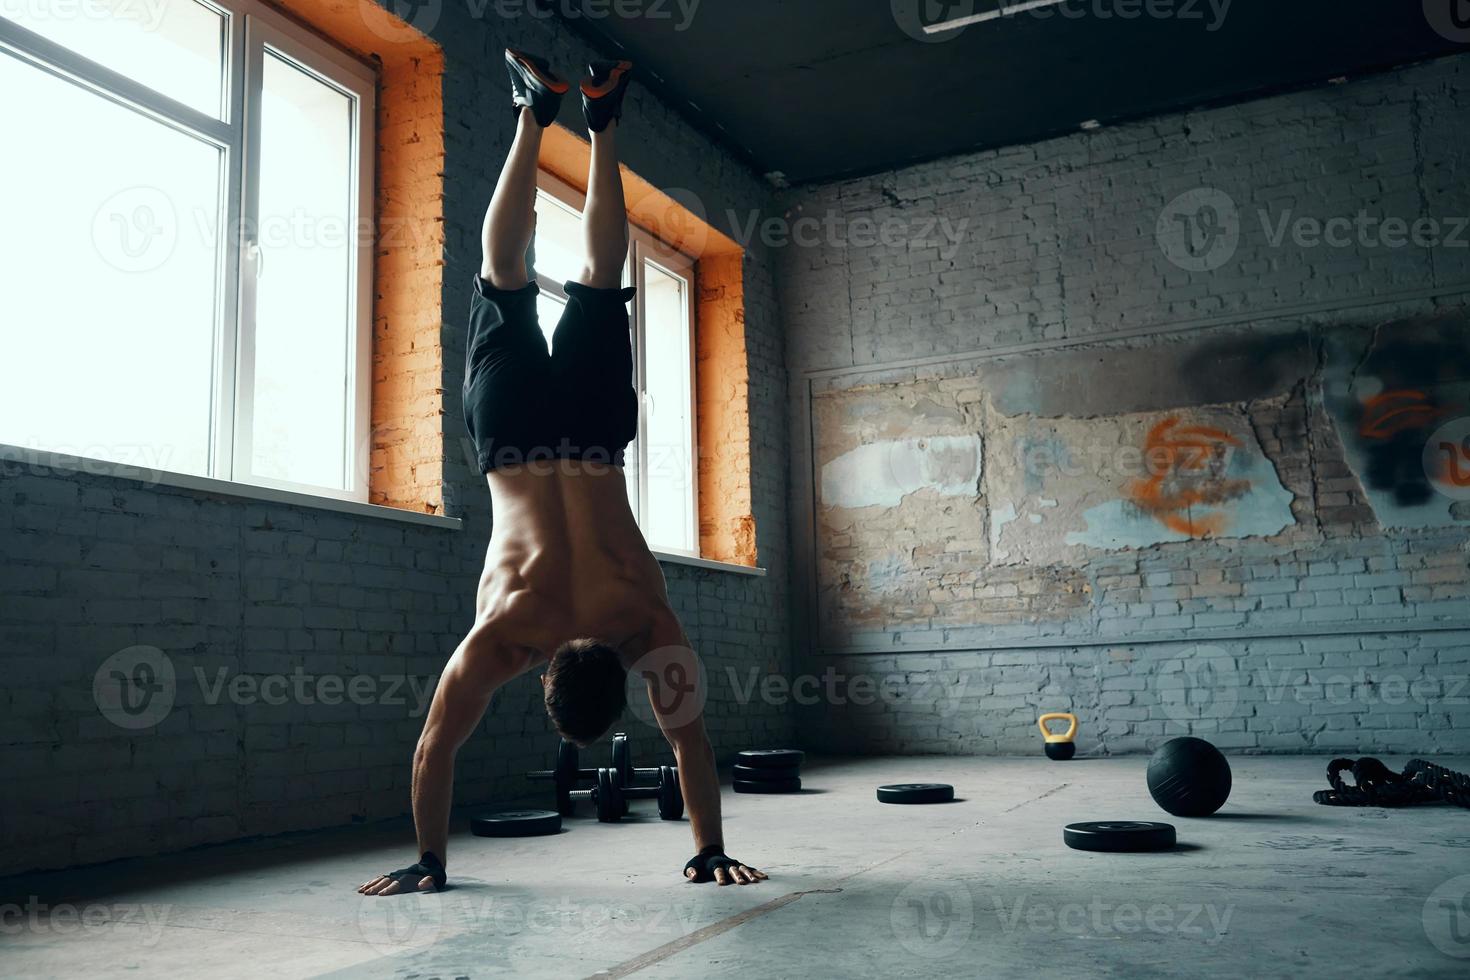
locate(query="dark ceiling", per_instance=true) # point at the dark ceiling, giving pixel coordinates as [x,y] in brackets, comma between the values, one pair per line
[827,88]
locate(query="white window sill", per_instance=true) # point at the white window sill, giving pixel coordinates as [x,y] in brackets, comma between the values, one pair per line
[41,462]
[673,558]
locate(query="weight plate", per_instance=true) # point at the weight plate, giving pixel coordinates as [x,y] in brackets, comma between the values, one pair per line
[1119,836]
[770,786]
[756,774]
[610,803]
[566,776]
[670,795]
[916,793]
[622,759]
[771,758]
[516,823]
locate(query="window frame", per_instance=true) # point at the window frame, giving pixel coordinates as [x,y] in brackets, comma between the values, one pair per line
[248,28]
[643,247]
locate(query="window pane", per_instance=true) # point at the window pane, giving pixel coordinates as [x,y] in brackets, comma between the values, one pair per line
[559,250]
[304,331]
[108,271]
[667,426]
[173,46]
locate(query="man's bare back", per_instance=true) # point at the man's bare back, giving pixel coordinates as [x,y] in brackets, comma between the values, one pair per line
[567,560]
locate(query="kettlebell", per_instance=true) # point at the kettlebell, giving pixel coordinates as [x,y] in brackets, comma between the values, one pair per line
[1059,747]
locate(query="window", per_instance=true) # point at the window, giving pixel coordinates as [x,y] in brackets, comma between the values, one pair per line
[661,465]
[186,247]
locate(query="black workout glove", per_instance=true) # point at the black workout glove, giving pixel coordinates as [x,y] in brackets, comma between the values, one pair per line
[429,866]
[708,861]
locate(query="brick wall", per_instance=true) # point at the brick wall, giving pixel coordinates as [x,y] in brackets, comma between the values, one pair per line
[1045,294]
[253,595]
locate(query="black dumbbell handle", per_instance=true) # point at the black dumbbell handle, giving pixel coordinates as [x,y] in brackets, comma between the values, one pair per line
[551,774]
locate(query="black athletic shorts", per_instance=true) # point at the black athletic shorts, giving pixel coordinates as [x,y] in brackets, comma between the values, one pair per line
[523,403]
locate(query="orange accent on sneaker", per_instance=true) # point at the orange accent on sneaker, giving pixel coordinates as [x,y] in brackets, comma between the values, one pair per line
[554,84]
[613,78]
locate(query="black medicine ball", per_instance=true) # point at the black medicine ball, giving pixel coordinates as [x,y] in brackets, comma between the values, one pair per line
[1189,777]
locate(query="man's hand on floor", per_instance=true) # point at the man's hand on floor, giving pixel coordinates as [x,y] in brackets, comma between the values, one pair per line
[716,866]
[426,876]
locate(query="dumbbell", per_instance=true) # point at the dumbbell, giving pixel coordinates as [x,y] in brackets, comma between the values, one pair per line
[668,792]
[611,799]
[622,762]
[567,777]
[606,795]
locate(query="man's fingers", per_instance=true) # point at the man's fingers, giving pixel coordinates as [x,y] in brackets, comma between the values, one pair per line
[690,873]
[741,878]
[722,877]
[426,883]
[362,888]
[759,875]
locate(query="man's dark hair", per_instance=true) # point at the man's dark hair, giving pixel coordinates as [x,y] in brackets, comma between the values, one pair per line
[586,690]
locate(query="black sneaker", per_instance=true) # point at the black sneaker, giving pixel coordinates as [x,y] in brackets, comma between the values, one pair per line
[602,92]
[534,85]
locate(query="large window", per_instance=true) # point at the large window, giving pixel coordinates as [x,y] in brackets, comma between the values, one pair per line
[661,465]
[185,247]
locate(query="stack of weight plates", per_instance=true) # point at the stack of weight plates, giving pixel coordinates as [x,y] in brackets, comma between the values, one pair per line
[768,771]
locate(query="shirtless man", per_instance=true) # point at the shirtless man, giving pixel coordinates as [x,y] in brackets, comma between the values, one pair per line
[569,580]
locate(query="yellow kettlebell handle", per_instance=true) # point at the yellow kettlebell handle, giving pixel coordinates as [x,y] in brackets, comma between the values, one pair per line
[1053,736]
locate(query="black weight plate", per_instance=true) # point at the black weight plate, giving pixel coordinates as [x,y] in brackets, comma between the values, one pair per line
[566,776]
[516,823]
[755,774]
[916,793]
[622,759]
[610,803]
[670,795]
[771,758]
[771,786]
[1119,836]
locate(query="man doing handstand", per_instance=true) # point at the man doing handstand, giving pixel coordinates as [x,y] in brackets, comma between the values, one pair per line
[569,580]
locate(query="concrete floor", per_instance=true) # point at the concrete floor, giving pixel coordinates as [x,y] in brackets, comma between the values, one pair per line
[1272,886]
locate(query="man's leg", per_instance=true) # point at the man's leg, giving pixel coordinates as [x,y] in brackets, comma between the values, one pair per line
[605,220]
[511,218]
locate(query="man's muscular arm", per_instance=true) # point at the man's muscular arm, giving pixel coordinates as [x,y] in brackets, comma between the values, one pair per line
[480,666]
[671,670]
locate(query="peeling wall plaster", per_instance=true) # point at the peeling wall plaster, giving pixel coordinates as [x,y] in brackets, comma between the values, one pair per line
[881,474]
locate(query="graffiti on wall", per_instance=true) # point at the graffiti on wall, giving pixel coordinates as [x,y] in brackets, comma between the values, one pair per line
[1188,486]
[1389,390]
[1059,486]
